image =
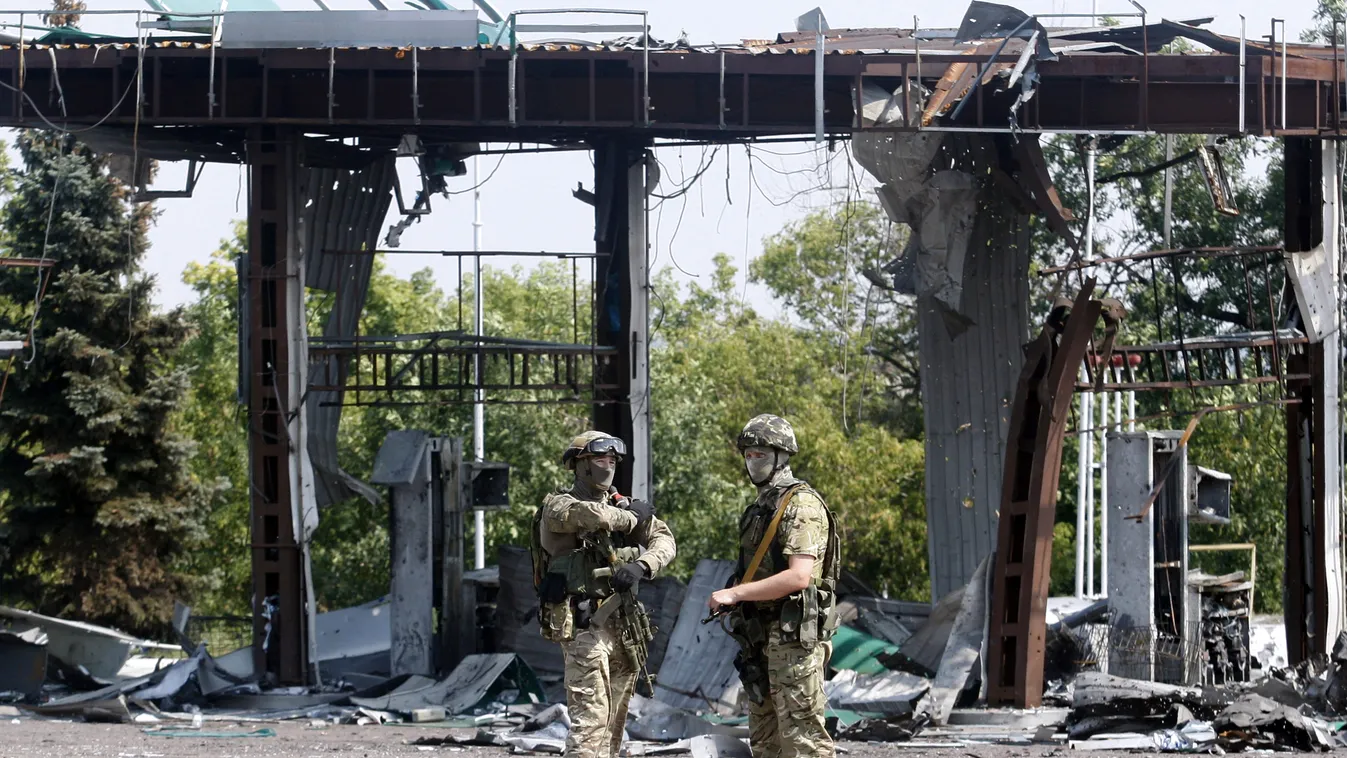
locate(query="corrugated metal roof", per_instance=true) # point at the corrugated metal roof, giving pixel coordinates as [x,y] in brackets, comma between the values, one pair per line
[353,205]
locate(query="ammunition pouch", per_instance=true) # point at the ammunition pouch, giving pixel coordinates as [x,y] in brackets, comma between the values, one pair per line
[556,621]
[807,617]
[747,628]
[753,675]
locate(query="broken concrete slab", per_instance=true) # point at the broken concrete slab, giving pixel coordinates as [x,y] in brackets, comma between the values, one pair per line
[962,649]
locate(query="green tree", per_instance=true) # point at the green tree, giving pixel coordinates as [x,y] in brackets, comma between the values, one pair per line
[1326,14]
[213,416]
[99,497]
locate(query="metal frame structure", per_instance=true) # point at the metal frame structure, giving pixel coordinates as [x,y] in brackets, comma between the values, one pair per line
[1022,570]
[262,107]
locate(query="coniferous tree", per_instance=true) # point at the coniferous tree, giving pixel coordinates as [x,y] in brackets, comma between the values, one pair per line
[96,497]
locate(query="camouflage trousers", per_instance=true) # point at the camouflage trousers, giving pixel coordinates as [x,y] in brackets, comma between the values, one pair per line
[599,684]
[790,722]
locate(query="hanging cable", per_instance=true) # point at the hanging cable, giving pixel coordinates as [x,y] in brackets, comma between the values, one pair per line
[42,281]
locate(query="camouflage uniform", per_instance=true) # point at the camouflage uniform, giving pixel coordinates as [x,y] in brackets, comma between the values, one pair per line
[785,643]
[599,677]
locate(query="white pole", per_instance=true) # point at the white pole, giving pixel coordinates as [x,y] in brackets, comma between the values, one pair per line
[478,405]
[1082,466]
[1094,12]
[1090,152]
[1089,495]
[1106,399]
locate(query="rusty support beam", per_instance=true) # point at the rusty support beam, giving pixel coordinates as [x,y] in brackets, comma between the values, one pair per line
[1017,622]
[1314,571]
[273,290]
[576,94]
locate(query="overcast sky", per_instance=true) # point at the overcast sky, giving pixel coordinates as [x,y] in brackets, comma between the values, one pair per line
[527,204]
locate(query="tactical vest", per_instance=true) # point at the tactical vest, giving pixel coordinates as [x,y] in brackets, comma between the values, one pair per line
[563,581]
[807,616]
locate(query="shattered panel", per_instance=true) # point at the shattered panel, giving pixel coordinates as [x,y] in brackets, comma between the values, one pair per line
[342,211]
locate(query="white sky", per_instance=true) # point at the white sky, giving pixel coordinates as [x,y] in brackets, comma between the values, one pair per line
[527,205]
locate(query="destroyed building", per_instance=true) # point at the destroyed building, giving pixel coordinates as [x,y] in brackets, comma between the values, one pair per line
[319,107]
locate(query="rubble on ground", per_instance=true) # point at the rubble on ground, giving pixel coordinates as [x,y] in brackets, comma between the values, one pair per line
[900,672]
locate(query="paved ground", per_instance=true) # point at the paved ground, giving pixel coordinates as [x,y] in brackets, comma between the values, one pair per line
[60,739]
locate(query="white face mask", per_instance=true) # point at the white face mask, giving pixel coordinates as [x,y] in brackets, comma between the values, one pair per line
[760,462]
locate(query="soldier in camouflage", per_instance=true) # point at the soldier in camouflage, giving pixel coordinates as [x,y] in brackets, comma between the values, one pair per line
[782,615]
[591,546]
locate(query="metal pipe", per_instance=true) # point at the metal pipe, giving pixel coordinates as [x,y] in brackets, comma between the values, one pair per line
[819,43]
[1106,399]
[514,62]
[645,74]
[416,87]
[1082,465]
[1243,78]
[214,43]
[478,408]
[722,89]
[1284,56]
[1089,494]
[1169,194]
[916,41]
[331,74]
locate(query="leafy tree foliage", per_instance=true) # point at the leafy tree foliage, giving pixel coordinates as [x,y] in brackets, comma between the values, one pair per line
[99,499]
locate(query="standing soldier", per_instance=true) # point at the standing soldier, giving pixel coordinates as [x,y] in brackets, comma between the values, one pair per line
[781,610]
[591,549]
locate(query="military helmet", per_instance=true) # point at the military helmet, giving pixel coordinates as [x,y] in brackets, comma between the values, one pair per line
[767,430]
[592,443]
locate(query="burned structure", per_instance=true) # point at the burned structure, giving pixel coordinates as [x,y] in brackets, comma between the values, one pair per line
[948,122]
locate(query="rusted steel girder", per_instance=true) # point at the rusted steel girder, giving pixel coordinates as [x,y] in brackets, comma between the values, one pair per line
[1017,623]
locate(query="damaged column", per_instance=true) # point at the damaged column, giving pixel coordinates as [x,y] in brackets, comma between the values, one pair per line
[1314,572]
[274,371]
[623,319]
[967,261]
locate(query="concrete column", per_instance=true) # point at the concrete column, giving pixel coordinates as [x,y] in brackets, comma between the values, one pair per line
[404,466]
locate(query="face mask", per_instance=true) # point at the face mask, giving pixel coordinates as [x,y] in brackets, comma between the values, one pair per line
[760,469]
[596,473]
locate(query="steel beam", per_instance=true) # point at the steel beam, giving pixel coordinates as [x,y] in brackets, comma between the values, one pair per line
[1017,625]
[575,94]
[276,370]
[621,317]
[1314,582]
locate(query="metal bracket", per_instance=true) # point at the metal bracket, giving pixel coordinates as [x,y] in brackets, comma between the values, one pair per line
[193,174]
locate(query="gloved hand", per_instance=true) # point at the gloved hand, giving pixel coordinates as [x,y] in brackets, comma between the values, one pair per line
[629,576]
[642,510]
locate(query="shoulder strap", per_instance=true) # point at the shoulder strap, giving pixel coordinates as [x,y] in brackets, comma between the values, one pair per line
[769,535]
